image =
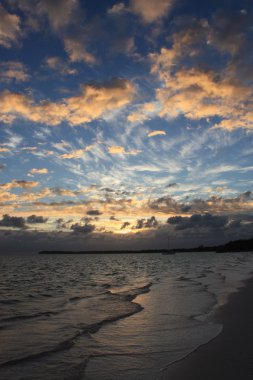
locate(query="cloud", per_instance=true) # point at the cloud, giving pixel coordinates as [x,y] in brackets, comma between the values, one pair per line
[13,70]
[12,221]
[94,212]
[59,12]
[117,9]
[198,221]
[97,99]
[144,112]
[196,90]
[82,229]
[114,218]
[64,192]
[38,171]
[57,64]
[75,47]
[94,101]
[116,149]
[174,184]
[4,150]
[124,225]
[151,11]
[156,133]
[229,30]
[10,30]
[36,219]
[76,153]
[146,223]
[27,185]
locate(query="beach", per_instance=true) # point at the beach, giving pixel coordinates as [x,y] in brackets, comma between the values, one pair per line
[229,355]
[126,316]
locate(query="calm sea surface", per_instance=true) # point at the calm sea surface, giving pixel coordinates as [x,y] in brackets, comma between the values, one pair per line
[109,317]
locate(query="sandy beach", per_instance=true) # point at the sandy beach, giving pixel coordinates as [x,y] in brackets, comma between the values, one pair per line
[229,356]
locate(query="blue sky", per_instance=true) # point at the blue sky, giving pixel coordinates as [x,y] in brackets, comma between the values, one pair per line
[123,122]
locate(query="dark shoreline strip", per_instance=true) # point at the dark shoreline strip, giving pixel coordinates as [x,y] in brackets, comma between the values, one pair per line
[229,356]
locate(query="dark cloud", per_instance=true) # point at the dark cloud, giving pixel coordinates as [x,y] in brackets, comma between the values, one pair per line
[212,205]
[89,219]
[82,229]
[124,225]
[2,167]
[146,223]
[113,218]
[33,219]
[27,185]
[94,212]
[12,221]
[164,203]
[229,30]
[199,221]
[185,208]
[174,184]
[107,189]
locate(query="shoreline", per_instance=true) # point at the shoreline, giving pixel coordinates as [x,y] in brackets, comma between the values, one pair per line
[228,356]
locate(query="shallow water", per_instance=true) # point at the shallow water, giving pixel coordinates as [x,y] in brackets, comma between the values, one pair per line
[109,317]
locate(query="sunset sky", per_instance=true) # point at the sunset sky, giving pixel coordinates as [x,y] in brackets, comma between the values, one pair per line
[124,122]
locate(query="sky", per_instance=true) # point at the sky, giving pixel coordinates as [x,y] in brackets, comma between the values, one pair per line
[125,122]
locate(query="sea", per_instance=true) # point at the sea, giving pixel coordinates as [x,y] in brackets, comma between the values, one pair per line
[110,316]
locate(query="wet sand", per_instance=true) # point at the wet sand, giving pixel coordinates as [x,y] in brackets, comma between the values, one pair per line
[229,356]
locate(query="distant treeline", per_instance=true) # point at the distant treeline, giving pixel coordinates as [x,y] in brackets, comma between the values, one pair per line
[232,246]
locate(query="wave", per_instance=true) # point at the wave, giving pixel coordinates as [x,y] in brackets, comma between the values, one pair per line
[9,302]
[82,330]
[31,316]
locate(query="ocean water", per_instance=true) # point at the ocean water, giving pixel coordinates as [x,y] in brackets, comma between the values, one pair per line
[110,317]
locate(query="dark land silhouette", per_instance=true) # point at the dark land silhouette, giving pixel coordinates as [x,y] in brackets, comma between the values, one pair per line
[232,246]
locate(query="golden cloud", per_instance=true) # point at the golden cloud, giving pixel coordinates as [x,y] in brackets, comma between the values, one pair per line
[27,185]
[4,150]
[156,133]
[144,112]
[200,94]
[149,10]
[39,171]
[197,93]
[116,149]
[76,153]
[93,102]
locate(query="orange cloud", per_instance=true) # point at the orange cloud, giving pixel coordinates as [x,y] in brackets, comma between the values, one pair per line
[121,150]
[39,171]
[149,10]
[4,150]
[144,112]
[76,153]
[156,133]
[27,185]
[93,102]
